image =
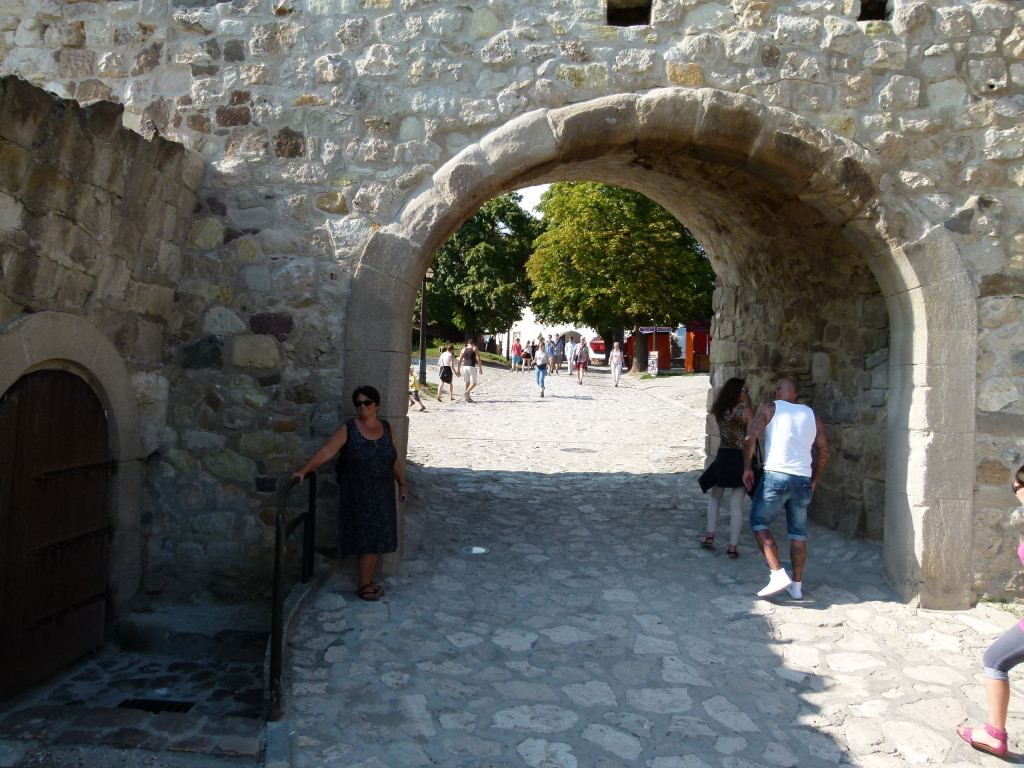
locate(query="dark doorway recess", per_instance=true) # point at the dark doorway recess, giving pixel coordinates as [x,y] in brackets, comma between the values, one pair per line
[629,13]
[55,468]
[872,10]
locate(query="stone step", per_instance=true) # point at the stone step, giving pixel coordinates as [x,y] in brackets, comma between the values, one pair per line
[135,729]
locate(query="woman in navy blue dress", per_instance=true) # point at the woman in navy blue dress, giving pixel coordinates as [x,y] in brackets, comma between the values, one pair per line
[368,467]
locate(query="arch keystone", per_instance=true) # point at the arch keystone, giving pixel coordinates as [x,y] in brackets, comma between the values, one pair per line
[667,115]
[790,151]
[587,131]
[427,220]
[727,126]
[840,189]
[387,253]
[467,178]
[525,142]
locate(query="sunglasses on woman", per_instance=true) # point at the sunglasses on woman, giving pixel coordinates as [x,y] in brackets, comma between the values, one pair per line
[361,403]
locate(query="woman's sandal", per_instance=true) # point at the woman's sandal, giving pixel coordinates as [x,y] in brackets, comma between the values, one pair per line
[732,553]
[371,592]
[967,734]
[709,541]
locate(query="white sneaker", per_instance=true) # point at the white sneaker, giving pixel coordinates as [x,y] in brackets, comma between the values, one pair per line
[779,581]
[796,590]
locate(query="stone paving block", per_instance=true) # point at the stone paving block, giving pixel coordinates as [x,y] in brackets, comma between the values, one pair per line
[12,754]
[112,717]
[239,746]
[133,738]
[197,744]
[233,726]
[175,723]
[278,748]
[74,735]
[35,722]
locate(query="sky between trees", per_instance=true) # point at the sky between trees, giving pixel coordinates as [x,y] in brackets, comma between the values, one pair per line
[600,256]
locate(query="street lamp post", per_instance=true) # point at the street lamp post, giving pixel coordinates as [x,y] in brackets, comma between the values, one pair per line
[423,326]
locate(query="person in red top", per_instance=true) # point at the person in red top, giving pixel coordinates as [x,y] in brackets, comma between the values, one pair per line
[1000,657]
[517,355]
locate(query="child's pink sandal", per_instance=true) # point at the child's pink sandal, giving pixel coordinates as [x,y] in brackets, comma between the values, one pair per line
[967,734]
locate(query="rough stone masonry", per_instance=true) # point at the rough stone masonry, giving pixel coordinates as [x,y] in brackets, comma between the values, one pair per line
[856,183]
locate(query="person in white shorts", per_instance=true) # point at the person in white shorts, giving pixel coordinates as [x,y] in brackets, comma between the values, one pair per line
[470,363]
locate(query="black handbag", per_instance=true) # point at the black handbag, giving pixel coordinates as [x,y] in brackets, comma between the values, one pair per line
[757,466]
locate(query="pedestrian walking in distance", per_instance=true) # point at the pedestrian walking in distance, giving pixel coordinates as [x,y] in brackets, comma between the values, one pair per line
[615,361]
[517,355]
[414,390]
[540,362]
[581,359]
[446,372]
[470,364]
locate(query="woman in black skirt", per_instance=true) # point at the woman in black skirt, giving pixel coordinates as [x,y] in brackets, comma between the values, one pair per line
[731,410]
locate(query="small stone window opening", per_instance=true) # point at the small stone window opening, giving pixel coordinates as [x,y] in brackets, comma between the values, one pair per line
[874,10]
[629,13]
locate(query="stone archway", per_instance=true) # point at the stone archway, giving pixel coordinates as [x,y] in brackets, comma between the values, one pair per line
[783,206]
[58,341]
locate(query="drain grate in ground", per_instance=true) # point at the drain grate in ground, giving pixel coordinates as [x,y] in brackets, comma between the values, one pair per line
[579,450]
[156,705]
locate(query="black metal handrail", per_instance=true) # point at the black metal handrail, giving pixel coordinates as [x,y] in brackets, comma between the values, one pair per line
[283,531]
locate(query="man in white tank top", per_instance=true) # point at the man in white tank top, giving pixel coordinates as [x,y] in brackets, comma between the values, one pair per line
[794,434]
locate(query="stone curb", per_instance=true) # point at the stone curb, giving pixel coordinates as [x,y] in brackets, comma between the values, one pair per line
[292,608]
[278,753]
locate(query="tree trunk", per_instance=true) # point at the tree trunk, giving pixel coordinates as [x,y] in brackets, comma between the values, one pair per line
[446,331]
[639,351]
[607,336]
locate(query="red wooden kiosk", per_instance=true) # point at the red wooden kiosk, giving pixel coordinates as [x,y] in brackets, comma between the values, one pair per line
[698,346]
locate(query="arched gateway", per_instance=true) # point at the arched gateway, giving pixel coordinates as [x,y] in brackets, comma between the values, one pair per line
[807,244]
[857,183]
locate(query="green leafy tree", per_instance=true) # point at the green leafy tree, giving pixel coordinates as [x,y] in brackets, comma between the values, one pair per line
[480,281]
[611,258]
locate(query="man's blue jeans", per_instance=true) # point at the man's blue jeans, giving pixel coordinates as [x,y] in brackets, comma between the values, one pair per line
[776,491]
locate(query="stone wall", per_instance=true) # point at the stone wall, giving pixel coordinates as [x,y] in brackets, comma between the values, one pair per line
[331,127]
[93,221]
[1000,440]
[836,349]
[94,218]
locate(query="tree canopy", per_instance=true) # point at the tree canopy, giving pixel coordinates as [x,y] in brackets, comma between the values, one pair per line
[611,258]
[480,281]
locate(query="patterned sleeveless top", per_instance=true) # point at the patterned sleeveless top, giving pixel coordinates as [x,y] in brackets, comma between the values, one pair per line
[732,428]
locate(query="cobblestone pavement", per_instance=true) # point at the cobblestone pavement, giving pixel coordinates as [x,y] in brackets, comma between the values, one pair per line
[596,632]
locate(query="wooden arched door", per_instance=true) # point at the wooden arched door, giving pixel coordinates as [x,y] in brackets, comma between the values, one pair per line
[55,468]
